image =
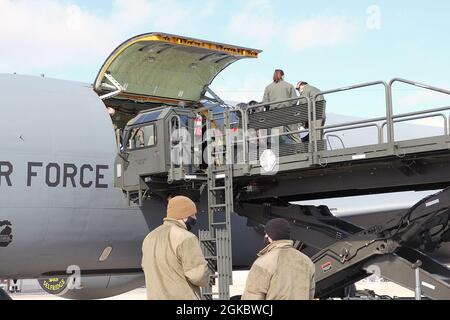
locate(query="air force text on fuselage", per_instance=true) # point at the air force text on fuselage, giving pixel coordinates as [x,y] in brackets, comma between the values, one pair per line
[66,175]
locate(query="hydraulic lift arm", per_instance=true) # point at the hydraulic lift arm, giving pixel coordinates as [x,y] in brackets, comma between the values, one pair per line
[348,253]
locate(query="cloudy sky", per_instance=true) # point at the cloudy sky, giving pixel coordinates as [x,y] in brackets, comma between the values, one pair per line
[328,43]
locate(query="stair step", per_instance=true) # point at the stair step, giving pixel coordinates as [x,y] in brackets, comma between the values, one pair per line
[217,189]
[210,258]
[195,177]
[218,223]
[218,206]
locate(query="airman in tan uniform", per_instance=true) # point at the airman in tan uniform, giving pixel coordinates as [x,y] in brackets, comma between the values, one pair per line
[173,263]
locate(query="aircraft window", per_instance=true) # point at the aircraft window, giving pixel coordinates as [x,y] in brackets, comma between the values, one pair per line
[143,137]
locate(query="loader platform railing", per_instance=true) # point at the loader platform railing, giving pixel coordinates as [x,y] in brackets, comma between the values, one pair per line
[392,147]
[315,152]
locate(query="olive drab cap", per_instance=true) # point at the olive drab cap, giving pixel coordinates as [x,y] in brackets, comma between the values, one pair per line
[180,208]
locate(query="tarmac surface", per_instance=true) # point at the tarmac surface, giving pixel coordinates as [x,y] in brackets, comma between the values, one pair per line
[239,278]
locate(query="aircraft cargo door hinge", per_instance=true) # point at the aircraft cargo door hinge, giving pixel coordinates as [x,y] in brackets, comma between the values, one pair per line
[115,86]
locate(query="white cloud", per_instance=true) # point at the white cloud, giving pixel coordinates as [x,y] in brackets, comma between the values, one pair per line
[422,98]
[208,8]
[321,31]
[245,90]
[168,15]
[131,14]
[433,122]
[47,35]
[255,22]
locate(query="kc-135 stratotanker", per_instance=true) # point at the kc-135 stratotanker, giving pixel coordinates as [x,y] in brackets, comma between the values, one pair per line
[79,192]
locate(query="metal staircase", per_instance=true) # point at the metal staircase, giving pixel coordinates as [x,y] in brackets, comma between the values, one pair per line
[216,242]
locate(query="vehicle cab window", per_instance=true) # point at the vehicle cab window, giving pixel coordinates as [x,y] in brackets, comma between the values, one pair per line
[142,137]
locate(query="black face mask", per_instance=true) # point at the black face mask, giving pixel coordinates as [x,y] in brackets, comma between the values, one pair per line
[266,242]
[190,223]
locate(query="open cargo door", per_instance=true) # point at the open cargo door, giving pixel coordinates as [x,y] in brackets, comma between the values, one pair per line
[160,69]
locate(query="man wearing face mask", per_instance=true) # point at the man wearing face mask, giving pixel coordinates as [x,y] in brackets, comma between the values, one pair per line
[173,262]
[281,272]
